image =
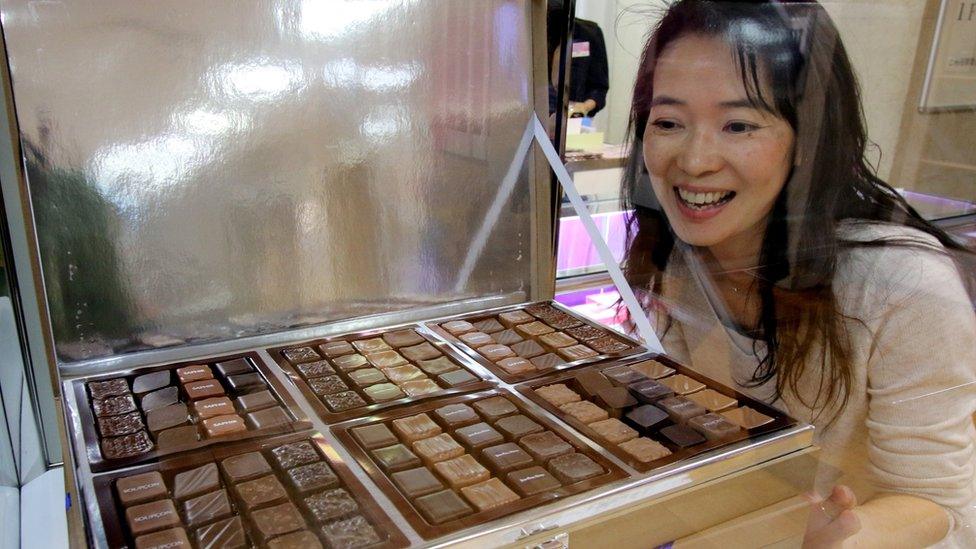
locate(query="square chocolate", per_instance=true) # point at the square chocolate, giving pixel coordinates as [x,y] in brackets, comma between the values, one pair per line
[534,329]
[613,430]
[224,533]
[383,392]
[438,448]
[517,426]
[513,318]
[556,340]
[532,481]
[420,387]
[295,454]
[160,398]
[403,338]
[415,427]
[366,376]
[476,339]
[416,482]
[347,363]
[585,332]
[591,382]
[437,366]
[649,391]
[615,399]
[453,416]
[315,369]
[488,325]
[646,417]
[207,507]
[177,437]
[197,390]
[196,372]
[406,372]
[386,359]
[516,365]
[173,538]
[495,352]
[547,361]
[277,520]
[682,384]
[528,349]
[457,377]
[327,385]
[458,327]
[623,375]
[331,504]
[680,409]
[223,425]
[584,411]
[302,539]
[114,405]
[170,416]
[576,352]
[245,466]
[374,436]
[713,426]
[564,322]
[137,443]
[489,494]
[351,532]
[255,401]
[652,369]
[396,458]
[371,345]
[147,517]
[682,436]
[557,394]
[346,400]
[443,506]
[105,389]
[268,418]
[238,366]
[572,468]
[306,478]
[507,337]
[506,457]
[461,471]
[424,351]
[124,424]
[478,435]
[644,450]
[212,407]
[196,481]
[150,382]
[746,417]
[494,408]
[296,355]
[545,446]
[335,349]
[140,488]
[608,345]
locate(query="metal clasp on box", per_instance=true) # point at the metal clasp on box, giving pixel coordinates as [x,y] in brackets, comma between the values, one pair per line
[558,541]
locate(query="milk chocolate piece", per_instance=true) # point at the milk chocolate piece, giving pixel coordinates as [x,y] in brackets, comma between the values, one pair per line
[327,385]
[424,351]
[453,416]
[505,457]
[556,340]
[488,326]
[349,362]
[140,488]
[198,390]
[479,435]
[442,506]
[416,482]
[528,349]
[584,411]
[533,329]
[682,436]
[173,538]
[616,399]
[415,427]
[255,401]
[126,445]
[331,504]
[407,372]
[295,454]
[315,369]
[461,471]
[564,322]
[713,426]
[591,382]
[196,372]
[713,400]
[531,481]
[371,345]
[476,339]
[585,332]
[496,352]
[206,508]
[196,481]
[557,394]
[312,477]
[125,424]
[170,416]
[351,533]
[268,418]
[439,448]
[515,427]
[150,382]
[334,349]
[644,450]
[746,417]
[212,407]
[608,345]
[296,355]
[152,516]
[396,458]
[178,437]
[373,436]
[346,400]
[649,391]
[513,318]
[646,417]
[652,369]
[623,375]
[383,392]
[277,520]
[419,387]
[366,376]
[576,352]
[403,338]
[494,408]
[458,327]
[547,361]
[104,389]
[682,384]
[489,494]
[437,366]
[245,381]
[114,405]
[225,533]
[680,409]
[507,337]
[386,359]
[516,365]
[545,446]
[613,430]
[572,468]
[457,377]
[223,425]
[245,466]
[260,491]
[303,539]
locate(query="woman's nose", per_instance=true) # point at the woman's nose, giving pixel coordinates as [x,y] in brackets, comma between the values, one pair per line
[699,155]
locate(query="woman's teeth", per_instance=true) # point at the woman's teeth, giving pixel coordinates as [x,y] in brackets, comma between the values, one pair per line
[704,200]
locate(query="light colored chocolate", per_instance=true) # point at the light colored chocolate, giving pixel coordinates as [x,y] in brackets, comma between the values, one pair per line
[613,431]
[419,387]
[349,362]
[513,318]
[383,392]
[534,329]
[746,417]
[489,494]
[461,471]
[407,372]
[414,428]
[516,365]
[712,400]
[576,352]
[556,340]
[386,359]
[371,345]
[584,411]
[335,349]
[437,448]
[644,450]
[496,352]
[557,394]
[437,366]
[458,327]
[424,351]
[476,339]
[682,384]
[173,538]
[652,369]
[403,338]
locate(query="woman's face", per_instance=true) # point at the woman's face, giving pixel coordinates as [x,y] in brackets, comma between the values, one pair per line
[716,163]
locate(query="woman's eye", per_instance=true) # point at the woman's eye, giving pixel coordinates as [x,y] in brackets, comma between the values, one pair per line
[740,127]
[666,125]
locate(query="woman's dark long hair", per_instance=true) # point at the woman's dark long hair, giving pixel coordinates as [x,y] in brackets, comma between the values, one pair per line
[792,64]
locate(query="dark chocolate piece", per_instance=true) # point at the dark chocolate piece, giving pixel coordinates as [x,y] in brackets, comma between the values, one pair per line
[104,389]
[198,390]
[350,533]
[403,338]
[346,400]
[255,401]
[299,354]
[623,375]
[646,417]
[125,424]
[223,425]
[543,310]
[547,361]
[313,476]
[140,488]
[494,408]
[178,437]
[591,382]
[173,538]
[488,326]
[396,458]
[245,466]
[276,521]
[713,426]
[302,539]
[224,533]
[682,436]
[196,372]
[245,381]
[150,382]
[268,418]
[152,516]
[160,398]
[528,349]
[442,506]
[616,399]
[608,345]
[479,435]
[335,349]
[374,436]
[234,367]
[545,446]
[649,390]
[515,427]
[564,322]
[170,416]
[507,337]
[126,445]
[114,405]
[506,457]
[453,416]
[327,385]
[437,366]
[680,409]
[315,369]
[417,482]
[196,481]
[585,332]
[295,454]
[206,508]
[213,407]
[572,468]
[260,492]
[531,481]
[331,504]
[457,377]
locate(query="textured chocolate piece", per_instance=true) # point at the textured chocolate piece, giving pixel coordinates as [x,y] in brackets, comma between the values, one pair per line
[528,349]
[239,366]
[613,430]
[126,445]
[318,368]
[245,381]
[396,458]
[212,407]
[383,392]
[479,435]
[140,488]
[646,417]
[564,322]
[576,352]
[198,390]
[295,454]
[682,436]
[507,337]
[712,400]
[313,476]
[516,365]
[680,409]
[260,492]
[173,538]
[124,424]
[178,437]
[644,450]
[275,521]
[713,426]
[547,361]
[207,507]
[196,481]
[170,416]
[196,372]
[416,482]
[327,385]
[255,401]
[458,327]
[543,310]
[373,436]
[496,352]
[335,349]
[424,351]
[300,354]
[350,533]
[649,391]
[591,382]
[407,372]
[403,338]
[366,376]
[386,359]
[476,339]
[453,416]
[513,318]
[415,427]
[224,533]
[150,382]
[545,446]
[457,377]
[652,369]
[245,466]
[623,375]
[220,426]
[557,394]
[349,362]
[303,539]
[419,387]
[531,481]
[506,457]
[585,332]
[494,408]
[517,426]
[371,345]
[608,345]
[346,400]
[616,399]
[148,517]
[104,389]
[572,468]
[488,326]
[556,340]
[438,448]
[442,506]
[461,471]
[160,398]
[584,411]
[682,384]
[489,494]
[114,405]
[331,504]
[746,417]
[437,366]
[268,418]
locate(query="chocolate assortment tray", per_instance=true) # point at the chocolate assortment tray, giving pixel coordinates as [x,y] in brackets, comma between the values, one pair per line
[355,375]
[151,412]
[653,413]
[463,461]
[287,491]
[528,341]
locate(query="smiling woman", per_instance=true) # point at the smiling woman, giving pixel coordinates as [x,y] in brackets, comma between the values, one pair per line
[774,259]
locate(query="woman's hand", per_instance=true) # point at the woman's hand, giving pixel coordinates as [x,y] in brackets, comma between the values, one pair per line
[832,520]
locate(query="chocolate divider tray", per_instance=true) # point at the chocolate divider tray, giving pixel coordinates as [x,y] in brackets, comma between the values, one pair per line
[567,445]
[556,318]
[196,422]
[678,453]
[311,354]
[217,515]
